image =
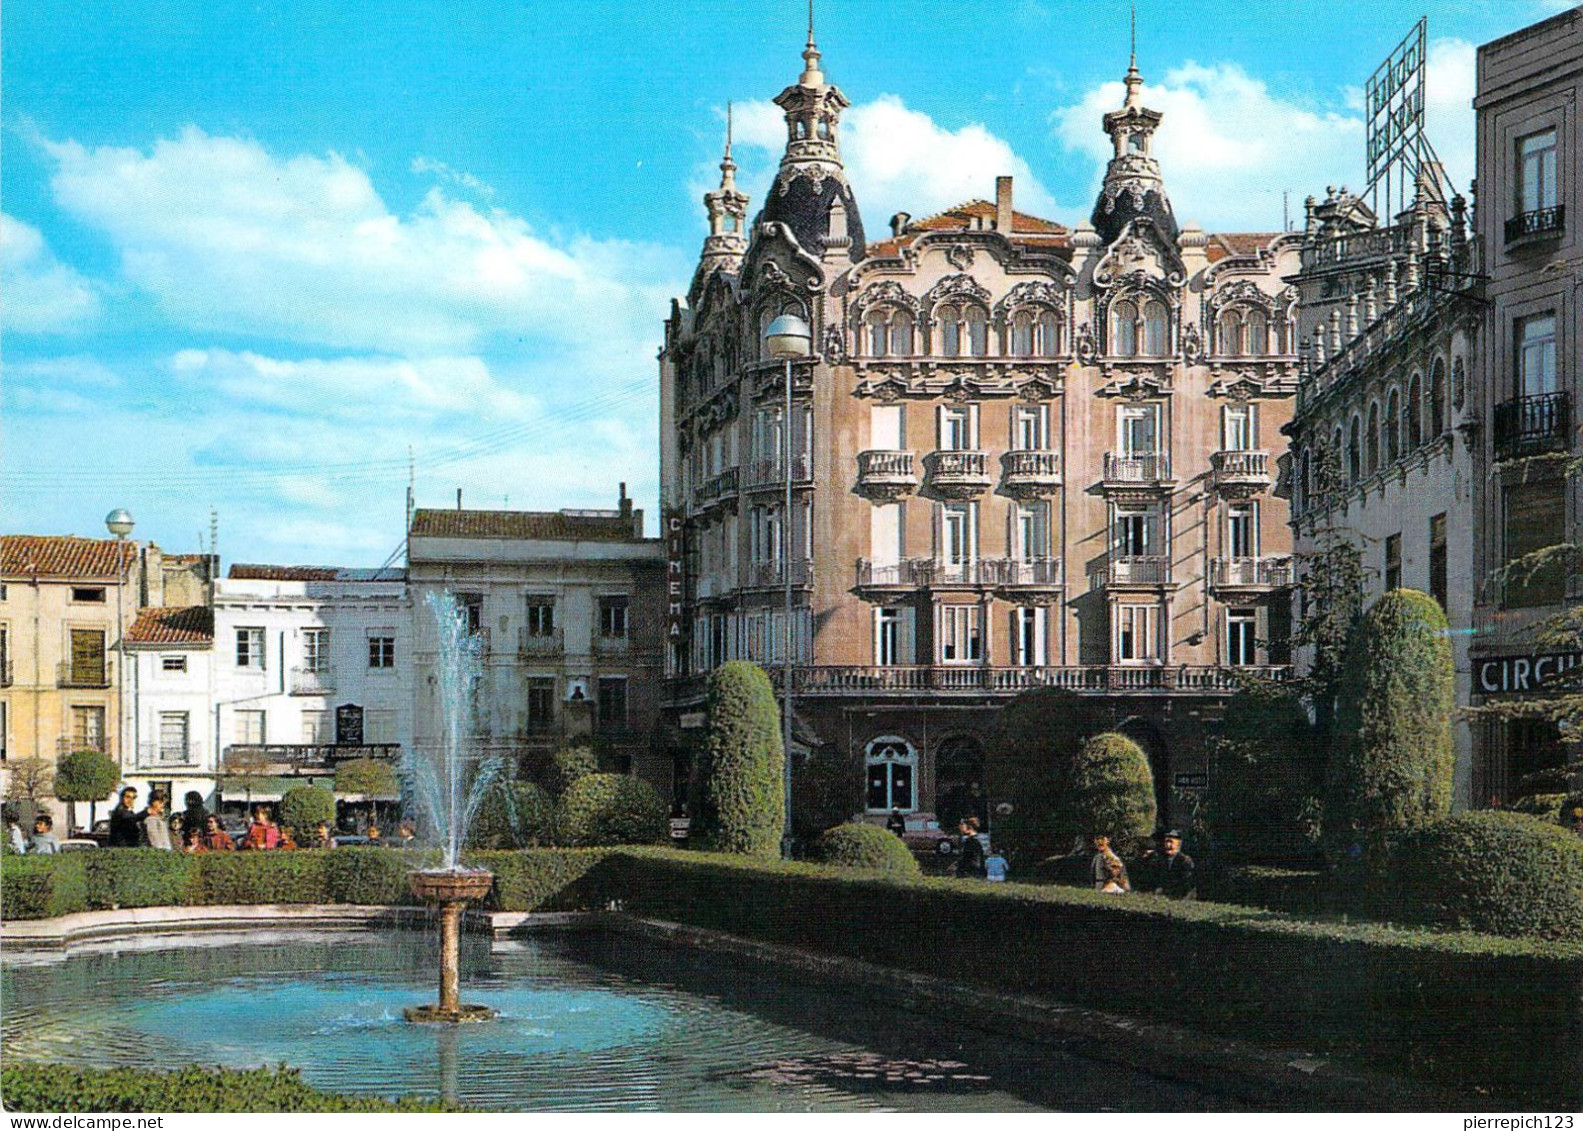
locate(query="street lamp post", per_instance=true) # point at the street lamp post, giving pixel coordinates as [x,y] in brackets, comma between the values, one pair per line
[120,523]
[787,337]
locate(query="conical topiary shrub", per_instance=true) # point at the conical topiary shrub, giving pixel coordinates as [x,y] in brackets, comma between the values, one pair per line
[741,804]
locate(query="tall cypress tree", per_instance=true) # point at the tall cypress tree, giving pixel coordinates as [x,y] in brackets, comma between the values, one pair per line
[741,805]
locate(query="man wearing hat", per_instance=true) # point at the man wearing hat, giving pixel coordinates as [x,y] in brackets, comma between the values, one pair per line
[1174,873]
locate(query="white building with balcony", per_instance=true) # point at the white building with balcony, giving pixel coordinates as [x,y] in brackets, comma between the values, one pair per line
[312,666]
[171,654]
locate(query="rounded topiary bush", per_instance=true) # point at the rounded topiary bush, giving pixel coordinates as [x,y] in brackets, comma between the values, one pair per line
[1113,790]
[1028,767]
[304,808]
[861,845]
[1490,871]
[601,809]
[741,804]
[567,765]
[515,814]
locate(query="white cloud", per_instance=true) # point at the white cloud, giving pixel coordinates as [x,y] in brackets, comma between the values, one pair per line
[1228,146]
[231,238]
[42,294]
[385,388]
[428,166]
[897,159]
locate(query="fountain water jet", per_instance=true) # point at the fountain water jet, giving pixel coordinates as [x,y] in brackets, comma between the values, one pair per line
[449,781]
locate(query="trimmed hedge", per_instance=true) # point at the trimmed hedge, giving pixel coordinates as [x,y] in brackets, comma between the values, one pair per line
[1392,763]
[1468,1011]
[26,1086]
[304,808]
[604,809]
[741,807]
[1296,891]
[862,845]
[1113,791]
[43,887]
[567,765]
[1499,873]
[516,814]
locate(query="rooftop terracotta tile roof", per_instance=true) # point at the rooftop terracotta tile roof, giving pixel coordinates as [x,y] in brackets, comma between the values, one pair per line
[193,624]
[1224,244]
[553,526]
[242,571]
[97,559]
[1025,229]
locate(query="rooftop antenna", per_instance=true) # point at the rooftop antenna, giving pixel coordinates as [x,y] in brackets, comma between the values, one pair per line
[412,481]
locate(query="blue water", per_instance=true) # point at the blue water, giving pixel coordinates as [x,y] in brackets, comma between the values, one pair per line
[587,1022]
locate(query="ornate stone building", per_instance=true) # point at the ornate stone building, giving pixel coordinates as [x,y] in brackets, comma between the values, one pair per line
[1024,455]
[1380,457]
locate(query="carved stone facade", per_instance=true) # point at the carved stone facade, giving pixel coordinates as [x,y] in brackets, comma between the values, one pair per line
[1023,456]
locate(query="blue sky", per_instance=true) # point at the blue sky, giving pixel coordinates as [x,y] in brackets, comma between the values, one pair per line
[254,254]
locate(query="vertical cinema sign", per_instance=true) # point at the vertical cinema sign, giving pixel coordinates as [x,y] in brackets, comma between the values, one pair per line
[675,572]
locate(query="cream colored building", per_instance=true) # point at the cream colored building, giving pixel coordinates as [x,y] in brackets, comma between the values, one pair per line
[1024,455]
[64,604]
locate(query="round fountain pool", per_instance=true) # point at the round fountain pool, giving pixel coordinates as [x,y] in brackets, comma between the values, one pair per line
[587,1021]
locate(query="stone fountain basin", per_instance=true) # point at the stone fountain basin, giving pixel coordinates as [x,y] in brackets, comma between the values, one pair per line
[453,886]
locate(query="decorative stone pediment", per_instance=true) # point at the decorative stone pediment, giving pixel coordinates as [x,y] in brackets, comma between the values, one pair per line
[1243,291]
[1035,292]
[887,387]
[957,287]
[888,292]
[962,388]
[1237,387]
[1036,389]
[960,256]
[1135,386]
[1139,256]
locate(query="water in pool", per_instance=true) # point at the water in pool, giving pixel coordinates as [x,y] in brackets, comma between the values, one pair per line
[588,1021]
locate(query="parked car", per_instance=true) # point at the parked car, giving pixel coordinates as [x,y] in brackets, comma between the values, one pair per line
[927,840]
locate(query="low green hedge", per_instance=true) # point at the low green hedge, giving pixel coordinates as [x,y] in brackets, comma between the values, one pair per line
[42,887]
[1500,873]
[1468,1011]
[862,845]
[1296,891]
[26,1086]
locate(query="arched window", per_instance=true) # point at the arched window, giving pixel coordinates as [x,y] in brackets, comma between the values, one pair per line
[891,764]
[959,782]
[1415,418]
[977,332]
[1230,329]
[1437,399]
[878,332]
[1124,329]
[1372,440]
[1393,428]
[950,318]
[1355,451]
[901,343]
[1154,322]
[1049,334]
[1258,334]
[1022,334]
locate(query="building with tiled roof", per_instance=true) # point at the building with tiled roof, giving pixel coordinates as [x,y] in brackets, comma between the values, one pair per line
[23,556]
[248,572]
[64,603]
[158,627]
[569,607]
[1021,454]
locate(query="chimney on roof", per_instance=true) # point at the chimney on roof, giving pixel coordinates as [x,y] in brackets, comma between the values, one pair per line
[1003,212]
[899,222]
[458,498]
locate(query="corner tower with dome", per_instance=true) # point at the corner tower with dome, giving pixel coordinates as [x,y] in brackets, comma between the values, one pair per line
[1024,455]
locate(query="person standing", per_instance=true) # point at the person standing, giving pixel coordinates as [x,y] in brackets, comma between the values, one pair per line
[15,840]
[1175,870]
[896,823]
[970,862]
[1103,858]
[43,842]
[263,832]
[126,823]
[156,825]
[215,838]
[194,818]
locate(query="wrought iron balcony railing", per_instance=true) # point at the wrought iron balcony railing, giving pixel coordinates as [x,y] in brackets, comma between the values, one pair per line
[530,643]
[1134,569]
[312,681]
[1137,468]
[1529,426]
[1537,222]
[1250,573]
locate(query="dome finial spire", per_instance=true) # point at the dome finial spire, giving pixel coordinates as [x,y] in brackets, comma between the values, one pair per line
[811,75]
[1134,80]
[728,167]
